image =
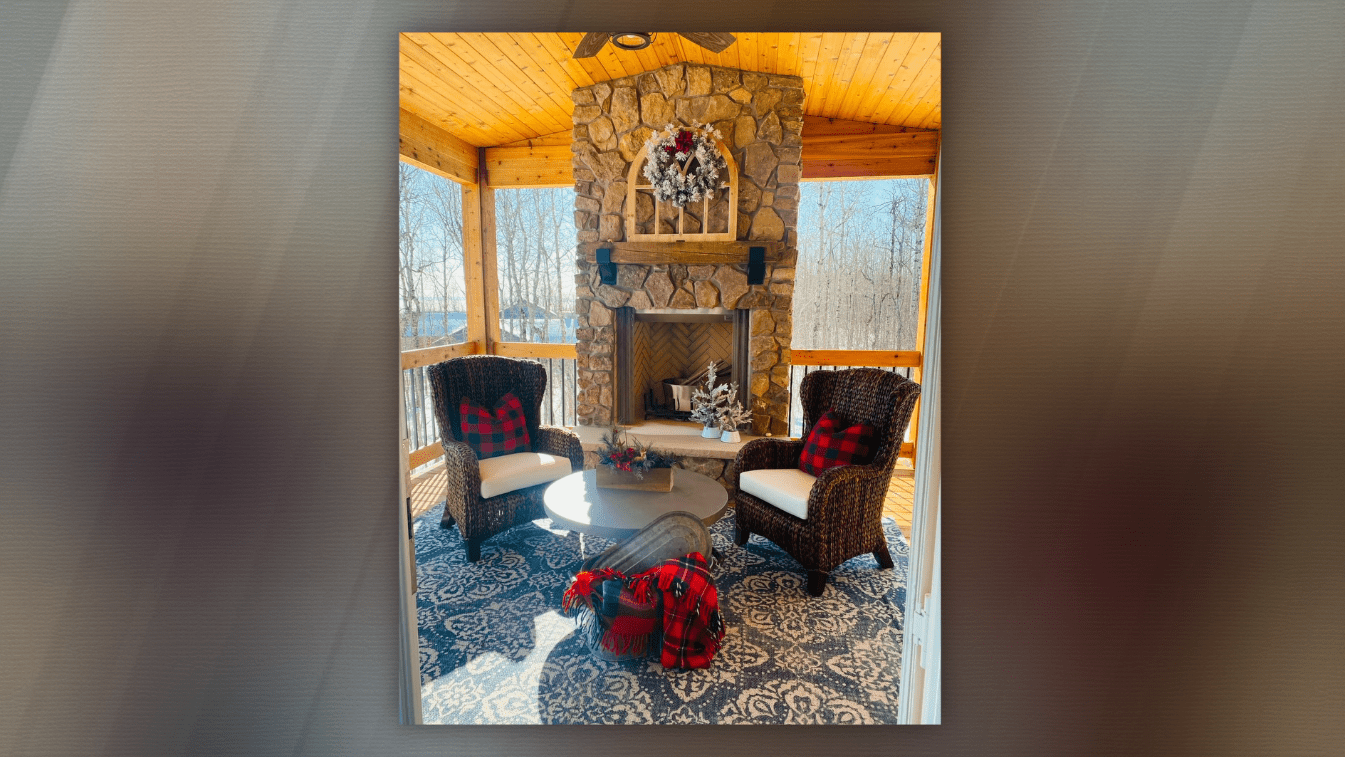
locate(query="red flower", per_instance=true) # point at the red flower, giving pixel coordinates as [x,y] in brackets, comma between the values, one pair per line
[685,141]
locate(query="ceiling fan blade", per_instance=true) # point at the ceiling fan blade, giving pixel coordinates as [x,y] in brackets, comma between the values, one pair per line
[591,44]
[715,42]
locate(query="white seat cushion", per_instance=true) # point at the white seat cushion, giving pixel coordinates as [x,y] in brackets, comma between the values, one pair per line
[785,488]
[507,473]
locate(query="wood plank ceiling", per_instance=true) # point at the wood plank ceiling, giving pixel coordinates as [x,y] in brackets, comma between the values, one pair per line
[504,88]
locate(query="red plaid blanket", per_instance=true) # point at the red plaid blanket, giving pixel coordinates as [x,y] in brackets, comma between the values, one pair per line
[692,625]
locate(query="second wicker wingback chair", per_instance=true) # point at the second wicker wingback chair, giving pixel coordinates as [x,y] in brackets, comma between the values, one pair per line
[485,379]
[844,504]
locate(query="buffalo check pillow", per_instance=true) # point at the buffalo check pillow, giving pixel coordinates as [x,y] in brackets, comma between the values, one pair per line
[829,445]
[491,433]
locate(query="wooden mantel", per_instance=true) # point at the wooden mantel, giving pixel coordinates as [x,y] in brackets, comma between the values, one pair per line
[691,253]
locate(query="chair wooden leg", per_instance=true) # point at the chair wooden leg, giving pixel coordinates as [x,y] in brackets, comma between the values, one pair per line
[740,534]
[817,581]
[473,550]
[883,557]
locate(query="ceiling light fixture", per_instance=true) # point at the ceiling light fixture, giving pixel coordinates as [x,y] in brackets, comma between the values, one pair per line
[632,40]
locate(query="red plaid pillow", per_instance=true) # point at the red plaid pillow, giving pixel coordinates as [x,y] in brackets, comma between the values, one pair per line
[829,445]
[491,433]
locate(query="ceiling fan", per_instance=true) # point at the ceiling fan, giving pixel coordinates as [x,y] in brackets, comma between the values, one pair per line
[715,42]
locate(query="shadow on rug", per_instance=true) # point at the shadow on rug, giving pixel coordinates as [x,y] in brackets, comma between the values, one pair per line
[495,647]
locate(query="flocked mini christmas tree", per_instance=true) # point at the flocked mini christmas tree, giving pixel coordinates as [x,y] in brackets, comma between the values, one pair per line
[718,405]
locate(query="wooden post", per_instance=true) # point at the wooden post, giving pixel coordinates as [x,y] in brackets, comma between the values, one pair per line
[922,309]
[490,280]
[479,261]
[473,267]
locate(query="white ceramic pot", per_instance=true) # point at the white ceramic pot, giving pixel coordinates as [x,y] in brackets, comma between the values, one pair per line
[709,432]
[730,436]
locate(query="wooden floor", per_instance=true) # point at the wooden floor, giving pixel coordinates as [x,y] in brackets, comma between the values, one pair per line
[427,491]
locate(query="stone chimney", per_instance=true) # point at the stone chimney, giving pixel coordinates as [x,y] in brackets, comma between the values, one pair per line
[760,119]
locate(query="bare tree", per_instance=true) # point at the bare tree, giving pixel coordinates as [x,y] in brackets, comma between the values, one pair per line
[430,266]
[411,224]
[446,209]
[857,282]
[534,242]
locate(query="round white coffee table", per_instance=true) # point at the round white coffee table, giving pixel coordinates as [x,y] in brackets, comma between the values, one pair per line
[575,502]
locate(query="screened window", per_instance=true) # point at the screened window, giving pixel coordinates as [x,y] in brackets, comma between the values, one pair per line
[431,284]
[857,283]
[535,249]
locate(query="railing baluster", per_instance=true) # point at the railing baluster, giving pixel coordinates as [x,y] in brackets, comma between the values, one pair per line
[427,409]
[422,381]
[418,378]
[420,408]
[551,391]
[413,408]
[406,408]
[417,410]
[546,395]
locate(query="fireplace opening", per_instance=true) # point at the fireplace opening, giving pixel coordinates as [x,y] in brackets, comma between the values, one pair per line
[662,354]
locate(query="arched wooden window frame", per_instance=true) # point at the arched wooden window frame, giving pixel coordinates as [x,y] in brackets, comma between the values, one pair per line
[632,189]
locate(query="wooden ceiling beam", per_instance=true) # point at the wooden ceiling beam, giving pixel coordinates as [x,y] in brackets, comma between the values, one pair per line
[530,166]
[424,145]
[833,149]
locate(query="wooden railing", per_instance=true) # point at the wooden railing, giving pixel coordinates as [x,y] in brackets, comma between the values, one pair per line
[431,355]
[560,404]
[904,362]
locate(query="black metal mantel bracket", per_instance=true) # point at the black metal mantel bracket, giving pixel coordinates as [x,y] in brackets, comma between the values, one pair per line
[606,268]
[756,265]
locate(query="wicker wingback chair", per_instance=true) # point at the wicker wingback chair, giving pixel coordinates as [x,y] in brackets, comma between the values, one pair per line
[485,379]
[844,504]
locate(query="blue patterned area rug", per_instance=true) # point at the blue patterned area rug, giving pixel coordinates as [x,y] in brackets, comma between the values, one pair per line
[495,647]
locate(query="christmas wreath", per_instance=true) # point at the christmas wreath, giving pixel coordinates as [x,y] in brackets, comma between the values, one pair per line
[684,164]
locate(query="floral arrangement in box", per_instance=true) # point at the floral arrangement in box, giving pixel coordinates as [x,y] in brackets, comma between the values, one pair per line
[684,164]
[632,456]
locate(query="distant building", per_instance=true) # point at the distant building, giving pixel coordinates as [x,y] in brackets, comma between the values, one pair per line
[436,328]
[522,311]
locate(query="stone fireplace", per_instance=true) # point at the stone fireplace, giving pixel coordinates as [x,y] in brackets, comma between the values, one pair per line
[632,325]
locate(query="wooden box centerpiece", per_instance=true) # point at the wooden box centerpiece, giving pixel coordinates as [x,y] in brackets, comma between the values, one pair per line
[656,480]
[632,465]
